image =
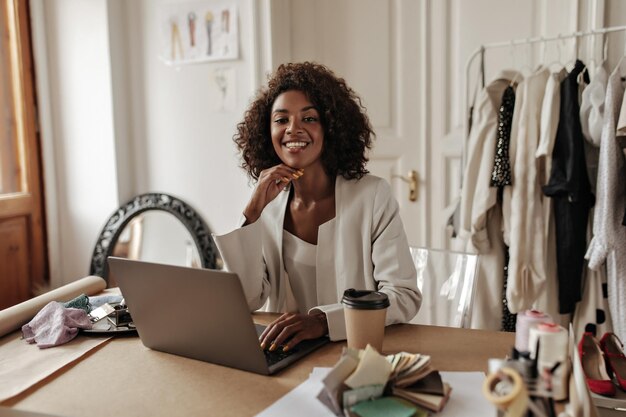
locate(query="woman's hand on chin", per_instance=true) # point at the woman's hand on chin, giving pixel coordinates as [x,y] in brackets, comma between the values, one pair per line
[271,182]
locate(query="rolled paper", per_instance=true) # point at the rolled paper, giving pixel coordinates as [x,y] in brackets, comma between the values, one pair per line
[14,317]
[525,320]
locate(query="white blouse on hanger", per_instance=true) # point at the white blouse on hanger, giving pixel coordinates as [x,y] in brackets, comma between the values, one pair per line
[548,300]
[592,107]
[527,271]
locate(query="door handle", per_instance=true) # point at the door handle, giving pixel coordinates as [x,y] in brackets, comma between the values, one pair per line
[410,179]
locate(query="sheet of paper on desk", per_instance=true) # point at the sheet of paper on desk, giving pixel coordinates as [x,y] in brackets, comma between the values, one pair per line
[467,397]
[302,400]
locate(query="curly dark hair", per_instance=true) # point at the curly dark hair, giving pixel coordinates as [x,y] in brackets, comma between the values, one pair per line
[347,130]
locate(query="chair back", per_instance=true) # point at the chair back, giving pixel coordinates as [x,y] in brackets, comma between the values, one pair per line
[447,281]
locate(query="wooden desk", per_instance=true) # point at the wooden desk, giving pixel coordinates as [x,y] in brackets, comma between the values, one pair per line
[123,378]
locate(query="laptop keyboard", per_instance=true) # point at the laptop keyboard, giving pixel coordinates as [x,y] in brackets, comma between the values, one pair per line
[278,355]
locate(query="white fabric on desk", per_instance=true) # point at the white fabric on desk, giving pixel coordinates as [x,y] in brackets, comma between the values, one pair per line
[364,248]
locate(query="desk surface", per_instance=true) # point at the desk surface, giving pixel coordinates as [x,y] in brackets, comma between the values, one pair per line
[123,378]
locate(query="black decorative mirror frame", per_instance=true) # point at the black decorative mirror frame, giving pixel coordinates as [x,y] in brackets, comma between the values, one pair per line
[109,235]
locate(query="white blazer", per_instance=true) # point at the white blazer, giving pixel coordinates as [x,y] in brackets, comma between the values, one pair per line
[363,247]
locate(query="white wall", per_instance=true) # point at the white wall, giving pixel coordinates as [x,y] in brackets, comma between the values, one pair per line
[77,130]
[181,141]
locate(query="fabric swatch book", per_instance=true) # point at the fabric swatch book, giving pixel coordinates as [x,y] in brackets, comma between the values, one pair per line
[414,380]
[361,377]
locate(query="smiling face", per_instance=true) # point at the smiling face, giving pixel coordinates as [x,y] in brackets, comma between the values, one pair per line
[296,130]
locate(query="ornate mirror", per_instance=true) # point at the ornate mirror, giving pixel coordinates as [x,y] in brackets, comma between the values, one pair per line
[155,227]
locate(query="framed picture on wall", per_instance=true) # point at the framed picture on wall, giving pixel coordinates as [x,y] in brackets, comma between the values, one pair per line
[195,32]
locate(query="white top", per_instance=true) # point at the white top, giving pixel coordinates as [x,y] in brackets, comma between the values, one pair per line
[299,258]
[548,301]
[527,270]
[592,107]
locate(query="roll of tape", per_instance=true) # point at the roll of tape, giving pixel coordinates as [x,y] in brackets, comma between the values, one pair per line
[525,321]
[506,390]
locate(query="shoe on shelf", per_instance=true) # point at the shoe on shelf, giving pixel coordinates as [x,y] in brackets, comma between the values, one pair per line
[613,349]
[592,361]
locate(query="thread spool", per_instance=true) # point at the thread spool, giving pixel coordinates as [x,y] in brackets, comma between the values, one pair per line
[525,321]
[552,344]
[506,390]
[553,347]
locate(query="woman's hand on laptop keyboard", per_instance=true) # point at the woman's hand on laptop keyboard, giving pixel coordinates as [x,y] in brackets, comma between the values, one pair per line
[291,328]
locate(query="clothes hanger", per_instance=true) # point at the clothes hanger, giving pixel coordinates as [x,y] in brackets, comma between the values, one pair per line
[556,64]
[527,67]
[590,61]
[572,62]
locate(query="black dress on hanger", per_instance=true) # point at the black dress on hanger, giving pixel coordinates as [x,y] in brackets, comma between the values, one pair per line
[570,190]
[501,177]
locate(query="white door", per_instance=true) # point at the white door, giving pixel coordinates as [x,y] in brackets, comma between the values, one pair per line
[406,59]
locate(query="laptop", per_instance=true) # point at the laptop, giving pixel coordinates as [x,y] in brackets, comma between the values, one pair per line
[200,314]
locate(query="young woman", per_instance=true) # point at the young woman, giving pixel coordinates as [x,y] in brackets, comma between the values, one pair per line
[317,223]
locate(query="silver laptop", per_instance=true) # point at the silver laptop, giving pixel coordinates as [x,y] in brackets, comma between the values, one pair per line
[200,314]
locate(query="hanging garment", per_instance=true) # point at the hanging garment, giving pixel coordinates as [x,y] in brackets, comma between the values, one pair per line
[609,239]
[621,122]
[481,217]
[501,173]
[548,300]
[592,106]
[500,178]
[453,211]
[527,270]
[593,313]
[591,115]
[570,190]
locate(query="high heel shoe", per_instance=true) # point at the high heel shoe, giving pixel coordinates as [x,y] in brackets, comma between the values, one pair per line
[614,357]
[594,367]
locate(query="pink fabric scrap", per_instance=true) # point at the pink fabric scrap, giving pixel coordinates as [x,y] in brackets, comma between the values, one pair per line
[55,325]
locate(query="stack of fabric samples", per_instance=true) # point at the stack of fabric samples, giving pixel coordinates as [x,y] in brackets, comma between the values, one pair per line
[365,383]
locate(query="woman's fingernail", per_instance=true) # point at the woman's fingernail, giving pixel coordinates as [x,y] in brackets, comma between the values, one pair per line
[295,175]
[262,345]
[285,179]
[273,347]
[285,348]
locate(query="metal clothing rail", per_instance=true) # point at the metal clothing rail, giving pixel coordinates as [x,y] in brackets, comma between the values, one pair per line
[512,43]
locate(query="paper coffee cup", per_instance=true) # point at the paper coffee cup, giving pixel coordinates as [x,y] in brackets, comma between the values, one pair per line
[365,313]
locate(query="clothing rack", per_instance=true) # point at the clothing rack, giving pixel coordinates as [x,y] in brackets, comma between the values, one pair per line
[525,41]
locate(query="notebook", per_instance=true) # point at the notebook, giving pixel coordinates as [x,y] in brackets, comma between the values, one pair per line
[200,314]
